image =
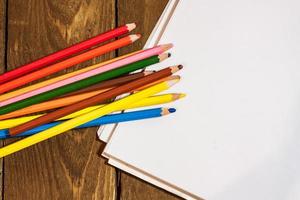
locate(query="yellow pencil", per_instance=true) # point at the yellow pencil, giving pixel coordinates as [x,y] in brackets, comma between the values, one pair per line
[72,123]
[150,101]
[59,78]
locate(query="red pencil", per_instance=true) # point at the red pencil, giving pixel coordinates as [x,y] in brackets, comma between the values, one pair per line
[65,53]
[15,83]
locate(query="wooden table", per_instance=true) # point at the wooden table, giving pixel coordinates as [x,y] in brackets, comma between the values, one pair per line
[68,166]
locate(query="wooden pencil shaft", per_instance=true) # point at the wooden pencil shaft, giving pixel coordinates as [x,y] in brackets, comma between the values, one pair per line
[7,86]
[108,119]
[58,78]
[91,101]
[50,105]
[65,53]
[68,100]
[108,84]
[82,119]
[79,85]
[150,101]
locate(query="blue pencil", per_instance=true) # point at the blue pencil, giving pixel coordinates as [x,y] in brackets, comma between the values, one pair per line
[108,119]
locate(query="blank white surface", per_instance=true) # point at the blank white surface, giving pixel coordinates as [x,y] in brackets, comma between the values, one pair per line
[236,135]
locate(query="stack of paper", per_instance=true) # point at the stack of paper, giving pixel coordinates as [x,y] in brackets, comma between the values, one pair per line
[236,135]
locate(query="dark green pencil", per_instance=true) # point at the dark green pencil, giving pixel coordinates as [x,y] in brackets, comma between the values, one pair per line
[83,83]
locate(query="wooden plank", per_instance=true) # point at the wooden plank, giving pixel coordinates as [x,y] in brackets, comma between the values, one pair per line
[145,13]
[67,166]
[2,67]
[2,35]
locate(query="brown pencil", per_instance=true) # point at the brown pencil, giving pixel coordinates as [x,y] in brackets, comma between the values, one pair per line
[110,83]
[95,100]
[66,101]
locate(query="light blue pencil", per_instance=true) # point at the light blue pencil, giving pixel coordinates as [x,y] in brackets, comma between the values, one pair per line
[108,119]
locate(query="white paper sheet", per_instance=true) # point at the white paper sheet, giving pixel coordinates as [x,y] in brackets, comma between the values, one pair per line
[104,132]
[236,135]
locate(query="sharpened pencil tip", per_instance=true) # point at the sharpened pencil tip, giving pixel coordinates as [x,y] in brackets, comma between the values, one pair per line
[169,55]
[135,37]
[163,57]
[166,47]
[177,96]
[172,110]
[182,95]
[174,77]
[131,26]
[176,68]
[173,82]
[167,111]
[149,72]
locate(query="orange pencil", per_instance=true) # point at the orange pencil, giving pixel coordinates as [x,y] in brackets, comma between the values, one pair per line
[59,78]
[68,63]
[65,101]
[48,105]
[110,94]
[65,53]
[169,78]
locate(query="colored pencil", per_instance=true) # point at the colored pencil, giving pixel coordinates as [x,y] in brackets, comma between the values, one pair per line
[111,83]
[65,53]
[159,81]
[102,85]
[69,100]
[108,119]
[65,101]
[82,84]
[150,101]
[107,95]
[7,86]
[72,123]
[130,59]
[58,78]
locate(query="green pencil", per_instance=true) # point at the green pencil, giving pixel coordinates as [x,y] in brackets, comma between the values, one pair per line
[83,83]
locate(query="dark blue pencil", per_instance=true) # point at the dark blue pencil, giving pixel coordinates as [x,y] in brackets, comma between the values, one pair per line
[108,119]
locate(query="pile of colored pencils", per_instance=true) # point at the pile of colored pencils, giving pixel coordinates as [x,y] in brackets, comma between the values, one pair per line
[84,98]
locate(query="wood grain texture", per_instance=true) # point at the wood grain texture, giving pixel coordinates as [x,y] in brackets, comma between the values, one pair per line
[2,35]
[67,166]
[2,65]
[145,13]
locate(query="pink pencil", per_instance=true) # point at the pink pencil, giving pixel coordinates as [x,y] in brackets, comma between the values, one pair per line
[119,63]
